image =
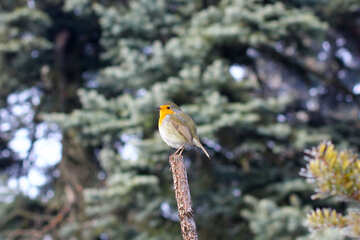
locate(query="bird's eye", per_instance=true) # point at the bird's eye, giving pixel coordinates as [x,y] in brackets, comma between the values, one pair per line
[168,107]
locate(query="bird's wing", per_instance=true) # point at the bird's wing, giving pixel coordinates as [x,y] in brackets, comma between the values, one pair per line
[181,128]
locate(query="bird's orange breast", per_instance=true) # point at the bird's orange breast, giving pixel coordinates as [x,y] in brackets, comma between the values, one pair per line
[163,113]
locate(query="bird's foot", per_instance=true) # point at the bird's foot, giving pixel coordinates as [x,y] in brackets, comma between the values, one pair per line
[189,213]
[180,150]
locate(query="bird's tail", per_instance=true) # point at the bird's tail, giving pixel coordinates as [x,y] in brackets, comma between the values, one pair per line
[198,144]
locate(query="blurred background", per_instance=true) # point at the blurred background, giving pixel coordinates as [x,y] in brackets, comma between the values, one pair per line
[80,154]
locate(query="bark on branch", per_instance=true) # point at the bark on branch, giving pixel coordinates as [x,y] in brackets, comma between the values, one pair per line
[183,197]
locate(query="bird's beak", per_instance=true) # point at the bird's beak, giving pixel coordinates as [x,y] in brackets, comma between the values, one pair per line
[157,108]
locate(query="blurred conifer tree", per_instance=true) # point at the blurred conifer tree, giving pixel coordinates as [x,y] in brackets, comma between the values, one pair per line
[262,79]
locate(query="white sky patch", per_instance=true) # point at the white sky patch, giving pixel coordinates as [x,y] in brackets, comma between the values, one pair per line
[326,46]
[237,72]
[4,114]
[24,183]
[141,92]
[34,53]
[128,151]
[33,94]
[5,120]
[212,144]
[47,152]
[5,126]
[12,98]
[356,89]
[41,130]
[322,56]
[345,55]
[340,42]
[281,118]
[22,109]
[47,149]
[33,192]
[167,212]
[36,177]
[48,130]
[12,183]
[92,83]
[236,192]
[148,50]
[31,3]
[26,187]
[21,142]
[312,105]
[253,53]
[313,92]
[91,80]
[21,103]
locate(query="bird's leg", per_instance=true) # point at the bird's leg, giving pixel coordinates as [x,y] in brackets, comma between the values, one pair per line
[180,149]
[177,150]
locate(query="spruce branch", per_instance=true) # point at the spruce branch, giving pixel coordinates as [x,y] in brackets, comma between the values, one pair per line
[183,197]
[334,173]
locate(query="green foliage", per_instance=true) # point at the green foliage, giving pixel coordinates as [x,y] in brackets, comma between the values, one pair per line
[21,33]
[269,221]
[15,38]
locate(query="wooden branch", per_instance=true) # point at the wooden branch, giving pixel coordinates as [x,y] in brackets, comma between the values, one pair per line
[183,197]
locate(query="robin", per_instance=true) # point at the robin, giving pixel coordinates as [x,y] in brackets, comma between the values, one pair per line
[177,129]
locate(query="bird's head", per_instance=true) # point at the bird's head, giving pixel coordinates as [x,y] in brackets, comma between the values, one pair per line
[168,108]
